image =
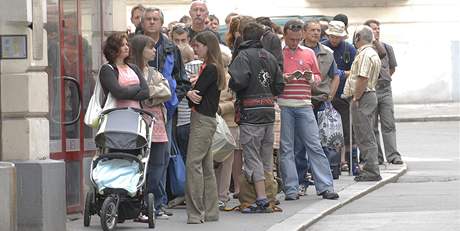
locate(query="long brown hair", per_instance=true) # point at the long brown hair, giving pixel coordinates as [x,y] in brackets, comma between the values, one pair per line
[230,37]
[137,44]
[213,55]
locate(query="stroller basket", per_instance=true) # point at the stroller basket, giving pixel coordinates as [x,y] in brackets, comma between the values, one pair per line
[123,129]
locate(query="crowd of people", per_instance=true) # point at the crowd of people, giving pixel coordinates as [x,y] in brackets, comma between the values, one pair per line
[268,83]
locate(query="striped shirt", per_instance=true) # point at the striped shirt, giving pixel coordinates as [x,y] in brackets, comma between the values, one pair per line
[183,110]
[366,64]
[297,92]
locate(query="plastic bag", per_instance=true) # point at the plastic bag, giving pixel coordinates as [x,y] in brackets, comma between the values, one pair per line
[330,127]
[223,142]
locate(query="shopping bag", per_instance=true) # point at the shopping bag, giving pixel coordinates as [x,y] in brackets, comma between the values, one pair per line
[223,142]
[330,127]
[176,172]
[95,107]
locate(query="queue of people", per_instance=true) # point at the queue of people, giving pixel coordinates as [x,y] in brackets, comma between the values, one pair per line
[185,74]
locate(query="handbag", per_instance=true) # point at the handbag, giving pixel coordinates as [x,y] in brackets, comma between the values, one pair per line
[95,107]
[223,142]
[330,127]
[176,172]
[159,91]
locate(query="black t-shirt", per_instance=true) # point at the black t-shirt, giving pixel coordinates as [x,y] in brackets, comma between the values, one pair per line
[192,34]
[207,85]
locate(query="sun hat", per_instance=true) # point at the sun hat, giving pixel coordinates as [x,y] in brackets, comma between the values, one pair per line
[336,28]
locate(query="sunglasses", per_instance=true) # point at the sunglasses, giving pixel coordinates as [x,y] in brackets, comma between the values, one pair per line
[295,27]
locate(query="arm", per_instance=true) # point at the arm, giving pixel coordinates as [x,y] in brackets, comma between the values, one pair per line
[144,88]
[391,58]
[360,87]
[206,79]
[335,80]
[315,69]
[278,81]
[179,74]
[109,82]
[240,73]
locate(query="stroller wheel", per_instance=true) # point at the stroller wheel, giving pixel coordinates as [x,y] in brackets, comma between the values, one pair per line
[87,213]
[109,214]
[151,210]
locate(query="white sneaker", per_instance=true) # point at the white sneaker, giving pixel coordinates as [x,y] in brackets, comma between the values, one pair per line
[302,190]
[160,215]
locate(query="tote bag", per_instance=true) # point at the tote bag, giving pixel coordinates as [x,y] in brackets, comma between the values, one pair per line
[95,107]
[330,127]
[176,172]
[223,142]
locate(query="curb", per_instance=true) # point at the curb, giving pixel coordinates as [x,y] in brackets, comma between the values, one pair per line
[308,216]
[428,119]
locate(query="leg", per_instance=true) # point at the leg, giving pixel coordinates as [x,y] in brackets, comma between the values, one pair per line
[223,175]
[363,115]
[201,132]
[182,139]
[236,169]
[211,212]
[309,133]
[156,167]
[388,127]
[286,159]
[376,127]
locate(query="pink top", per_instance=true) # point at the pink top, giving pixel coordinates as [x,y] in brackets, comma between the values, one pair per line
[127,77]
[297,92]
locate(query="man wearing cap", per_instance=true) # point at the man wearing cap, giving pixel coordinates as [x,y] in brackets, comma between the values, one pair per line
[385,100]
[360,85]
[199,14]
[299,130]
[344,55]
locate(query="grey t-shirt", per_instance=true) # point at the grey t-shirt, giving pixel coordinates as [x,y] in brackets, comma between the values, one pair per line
[388,62]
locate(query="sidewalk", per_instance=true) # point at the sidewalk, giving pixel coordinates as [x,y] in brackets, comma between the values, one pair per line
[427,112]
[296,215]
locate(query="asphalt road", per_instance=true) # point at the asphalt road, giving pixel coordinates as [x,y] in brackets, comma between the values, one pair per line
[427,197]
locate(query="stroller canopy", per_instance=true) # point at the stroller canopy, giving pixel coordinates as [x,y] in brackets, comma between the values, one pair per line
[123,129]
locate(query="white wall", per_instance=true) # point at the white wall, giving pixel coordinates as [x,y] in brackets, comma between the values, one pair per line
[421,31]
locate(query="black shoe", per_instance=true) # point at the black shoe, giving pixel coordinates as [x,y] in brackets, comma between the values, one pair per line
[261,206]
[329,195]
[362,178]
[396,161]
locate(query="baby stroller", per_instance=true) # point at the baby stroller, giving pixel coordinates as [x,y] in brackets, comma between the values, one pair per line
[119,169]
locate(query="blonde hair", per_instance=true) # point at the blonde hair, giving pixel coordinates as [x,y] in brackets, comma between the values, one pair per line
[186,52]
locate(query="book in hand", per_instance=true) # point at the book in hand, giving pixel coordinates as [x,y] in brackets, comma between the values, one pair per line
[307,75]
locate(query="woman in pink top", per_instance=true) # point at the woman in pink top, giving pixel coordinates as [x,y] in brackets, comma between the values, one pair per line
[123,80]
[143,50]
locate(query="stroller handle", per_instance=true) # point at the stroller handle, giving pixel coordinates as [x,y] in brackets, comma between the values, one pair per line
[141,111]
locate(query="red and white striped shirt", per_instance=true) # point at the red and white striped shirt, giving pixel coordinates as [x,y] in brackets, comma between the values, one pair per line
[297,92]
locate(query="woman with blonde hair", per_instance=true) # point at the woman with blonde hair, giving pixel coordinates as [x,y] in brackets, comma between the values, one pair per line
[201,189]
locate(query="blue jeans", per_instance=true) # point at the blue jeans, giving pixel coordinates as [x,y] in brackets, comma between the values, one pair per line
[156,167]
[299,138]
[167,154]
[182,133]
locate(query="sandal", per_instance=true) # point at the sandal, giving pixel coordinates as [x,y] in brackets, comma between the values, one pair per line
[344,167]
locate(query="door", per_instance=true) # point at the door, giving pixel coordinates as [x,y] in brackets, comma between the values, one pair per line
[74,55]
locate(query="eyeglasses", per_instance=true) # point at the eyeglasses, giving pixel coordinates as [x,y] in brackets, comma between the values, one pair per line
[295,27]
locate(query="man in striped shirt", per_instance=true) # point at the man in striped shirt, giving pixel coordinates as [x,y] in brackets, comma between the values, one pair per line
[299,130]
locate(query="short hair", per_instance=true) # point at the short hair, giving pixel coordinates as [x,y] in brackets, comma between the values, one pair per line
[293,25]
[178,28]
[153,9]
[112,46]
[244,22]
[311,21]
[138,7]
[370,21]
[266,21]
[185,19]
[365,33]
[253,31]
[213,17]
[341,17]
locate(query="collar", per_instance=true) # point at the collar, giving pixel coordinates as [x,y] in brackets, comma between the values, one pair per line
[298,47]
[364,47]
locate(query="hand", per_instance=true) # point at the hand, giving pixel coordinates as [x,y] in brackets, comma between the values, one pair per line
[308,75]
[194,97]
[193,79]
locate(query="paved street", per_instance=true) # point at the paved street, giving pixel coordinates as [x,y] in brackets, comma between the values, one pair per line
[427,197]
[430,189]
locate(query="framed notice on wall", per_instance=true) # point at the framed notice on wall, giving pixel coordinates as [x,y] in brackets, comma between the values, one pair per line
[13,46]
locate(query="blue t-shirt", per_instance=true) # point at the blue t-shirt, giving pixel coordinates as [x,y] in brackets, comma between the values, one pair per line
[344,56]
